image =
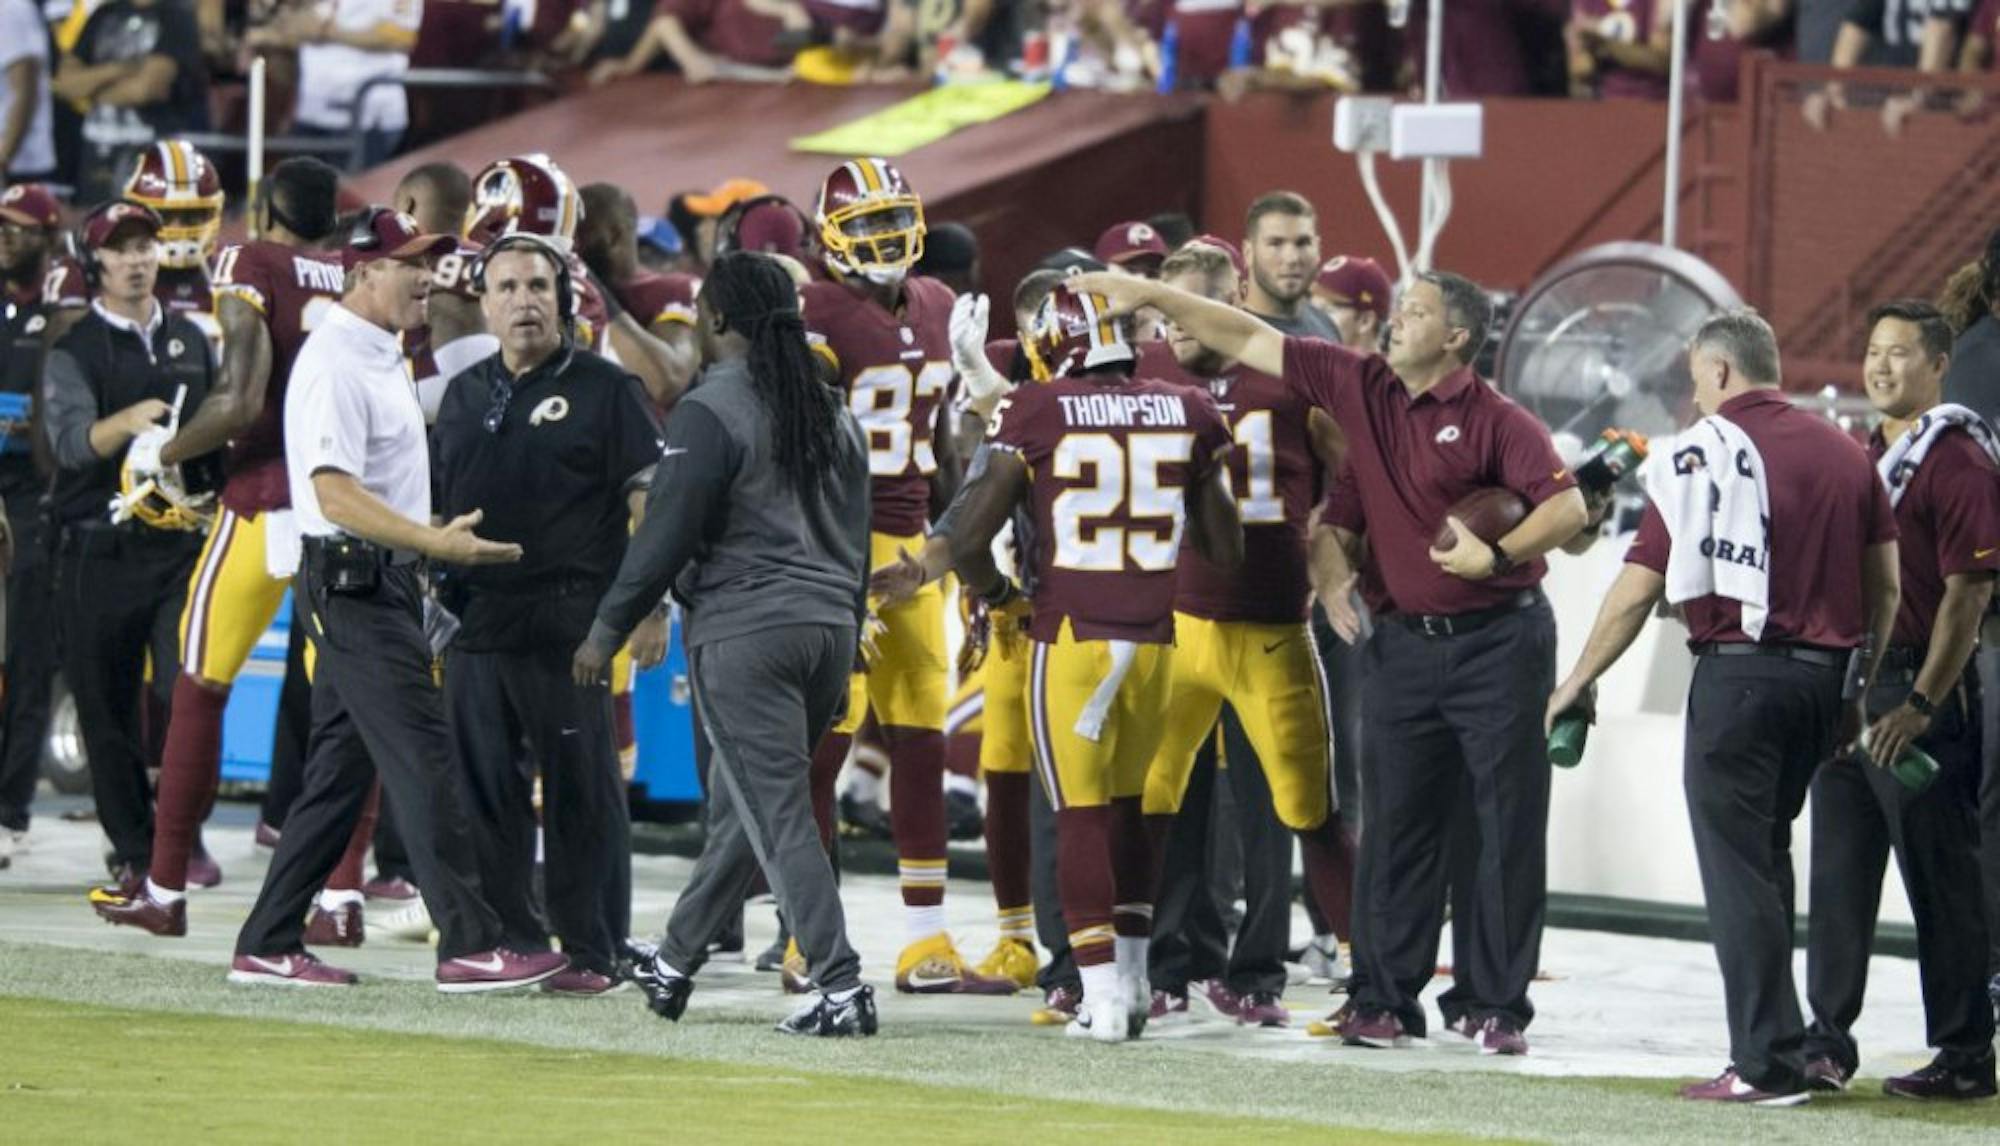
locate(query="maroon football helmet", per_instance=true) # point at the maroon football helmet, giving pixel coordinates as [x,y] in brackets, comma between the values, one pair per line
[523,193]
[1074,332]
[178,182]
[870,223]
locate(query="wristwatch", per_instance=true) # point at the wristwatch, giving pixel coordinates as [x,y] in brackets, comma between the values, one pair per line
[1502,564]
[1921,703]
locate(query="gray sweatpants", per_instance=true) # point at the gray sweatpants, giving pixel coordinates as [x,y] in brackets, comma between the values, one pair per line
[764,701]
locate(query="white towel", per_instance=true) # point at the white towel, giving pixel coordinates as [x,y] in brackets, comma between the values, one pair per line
[1090,722]
[1906,454]
[1709,487]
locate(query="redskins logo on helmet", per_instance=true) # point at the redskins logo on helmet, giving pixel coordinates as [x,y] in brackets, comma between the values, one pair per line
[524,193]
[870,223]
[1074,332]
[176,180]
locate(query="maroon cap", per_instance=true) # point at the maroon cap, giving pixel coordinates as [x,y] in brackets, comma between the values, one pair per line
[390,234]
[1128,243]
[103,225]
[1227,248]
[773,227]
[1357,282]
[31,205]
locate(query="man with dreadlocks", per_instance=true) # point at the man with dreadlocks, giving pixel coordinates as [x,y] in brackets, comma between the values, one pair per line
[764,539]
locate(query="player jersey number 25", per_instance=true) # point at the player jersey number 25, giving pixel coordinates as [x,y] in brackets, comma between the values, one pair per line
[1129,510]
[897,406]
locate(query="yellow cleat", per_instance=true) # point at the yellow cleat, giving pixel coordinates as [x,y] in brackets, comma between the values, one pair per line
[934,967]
[1334,1025]
[1058,1008]
[793,974]
[1012,959]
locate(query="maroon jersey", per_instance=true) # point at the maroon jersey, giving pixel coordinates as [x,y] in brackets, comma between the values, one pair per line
[185,292]
[292,290]
[1276,479]
[730,29]
[654,299]
[593,318]
[1110,463]
[1947,522]
[1621,22]
[1207,30]
[452,273]
[896,369]
[65,285]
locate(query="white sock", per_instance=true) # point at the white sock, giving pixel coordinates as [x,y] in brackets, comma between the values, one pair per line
[953,782]
[330,900]
[1131,956]
[161,895]
[1099,982]
[864,786]
[921,923]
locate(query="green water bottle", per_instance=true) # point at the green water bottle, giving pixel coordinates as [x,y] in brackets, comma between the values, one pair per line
[1914,769]
[1572,729]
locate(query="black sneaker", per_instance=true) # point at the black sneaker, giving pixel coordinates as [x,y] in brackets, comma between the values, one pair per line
[666,993]
[1949,1083]
[962,816]
[865,819]
[773,957]
[824,1018]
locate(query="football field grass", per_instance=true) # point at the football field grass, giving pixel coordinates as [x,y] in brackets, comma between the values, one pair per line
[102,1047]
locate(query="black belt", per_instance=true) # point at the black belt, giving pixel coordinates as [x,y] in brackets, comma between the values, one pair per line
[314,547]
[1805,654]
[1900,665]
[1458,624]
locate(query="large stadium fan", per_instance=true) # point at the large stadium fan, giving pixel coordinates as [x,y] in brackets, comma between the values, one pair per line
[1600,341]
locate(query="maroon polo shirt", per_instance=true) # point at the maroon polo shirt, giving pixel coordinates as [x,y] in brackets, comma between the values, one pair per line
[1342,510]
[728,28]
[1947,523]
[1414,458]
[1827,506]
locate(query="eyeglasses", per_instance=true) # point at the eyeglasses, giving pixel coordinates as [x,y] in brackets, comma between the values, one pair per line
[496,414]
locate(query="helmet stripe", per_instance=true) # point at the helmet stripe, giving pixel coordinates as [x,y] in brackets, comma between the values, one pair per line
[871,178]
[177,164]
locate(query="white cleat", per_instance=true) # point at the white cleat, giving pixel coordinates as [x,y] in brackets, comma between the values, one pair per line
[411,923]
[1105,1020]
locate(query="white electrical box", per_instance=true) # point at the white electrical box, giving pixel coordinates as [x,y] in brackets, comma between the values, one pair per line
[1361,123]
[1435,131]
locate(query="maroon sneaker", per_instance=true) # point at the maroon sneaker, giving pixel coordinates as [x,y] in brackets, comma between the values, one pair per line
[1501,1035]
[497,970]
[1825,1074]
[1218,997]
[1730,1087]
[128,880]
[1058,1007]
[1939,1081]
[266,836]
[1334,1025]
[299,969]
[203,871]
[115,905]
[1167,1006]
[340,927]
[396,888]
[1378,1029]
[1262,1009]
[578,983]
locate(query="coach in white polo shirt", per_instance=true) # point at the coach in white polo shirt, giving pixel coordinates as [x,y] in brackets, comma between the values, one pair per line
[360,478]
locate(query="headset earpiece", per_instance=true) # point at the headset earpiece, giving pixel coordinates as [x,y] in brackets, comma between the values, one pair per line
[565,289]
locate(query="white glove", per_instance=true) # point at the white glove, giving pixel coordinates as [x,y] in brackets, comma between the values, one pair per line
[143,456]
[968,330]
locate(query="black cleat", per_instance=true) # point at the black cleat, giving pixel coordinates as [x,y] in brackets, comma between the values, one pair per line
[962,816]
[824,1018]
[666,994]
[863,818]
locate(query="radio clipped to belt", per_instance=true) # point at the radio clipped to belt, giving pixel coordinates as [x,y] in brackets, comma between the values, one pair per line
[348,566]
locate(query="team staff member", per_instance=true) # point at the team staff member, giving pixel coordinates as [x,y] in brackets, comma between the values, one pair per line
[43,295]
[764,540]
[359,472]
[1453,684]
[1939,464]
[561,444]
[110,381]
[1773,614]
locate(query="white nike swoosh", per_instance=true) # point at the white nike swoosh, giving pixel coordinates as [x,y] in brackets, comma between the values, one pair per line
[670,451]
[921,981]
[491,966]
[281,967]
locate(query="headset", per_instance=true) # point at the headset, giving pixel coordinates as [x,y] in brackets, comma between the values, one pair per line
[725,227]
[93,272]
[565,289]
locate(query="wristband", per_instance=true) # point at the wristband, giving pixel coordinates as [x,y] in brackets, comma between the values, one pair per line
[1920,703]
